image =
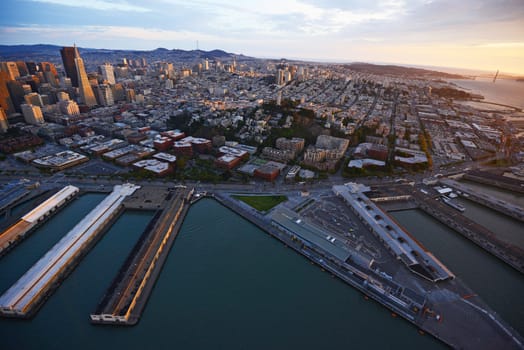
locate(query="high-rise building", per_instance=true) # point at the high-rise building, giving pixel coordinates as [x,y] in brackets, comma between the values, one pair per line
[69,107]
[287,76]
[68,58]
[105,95]
[106,70]
[50,73]
[65,83]
[34,99]
[32,114]
[11,68]
[62,96]
[119,93]
[5,99]
[280,77]
[130,95]
[32,67]
[22,68]
[16,91]
[4,124]
[86,92]
[32,81]
[27,88]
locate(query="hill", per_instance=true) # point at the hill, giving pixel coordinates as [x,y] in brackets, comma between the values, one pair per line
[41,52]
[401,71]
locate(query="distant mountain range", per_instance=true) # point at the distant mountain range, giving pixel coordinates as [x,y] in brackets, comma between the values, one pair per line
[26,52]
[51,53]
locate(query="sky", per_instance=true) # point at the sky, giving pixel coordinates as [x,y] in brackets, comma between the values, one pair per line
[476,34]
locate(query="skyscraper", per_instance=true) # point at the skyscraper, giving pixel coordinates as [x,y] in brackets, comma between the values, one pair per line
[5,98]
[105,95]
[86,92]
[4,124]
[106,70]
[50,73]
[22,68]
[68,58]
[32,114]
[32,67]
[11,68]
[17,93]
[34,99]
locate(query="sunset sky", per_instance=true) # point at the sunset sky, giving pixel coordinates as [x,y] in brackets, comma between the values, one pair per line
[476,34]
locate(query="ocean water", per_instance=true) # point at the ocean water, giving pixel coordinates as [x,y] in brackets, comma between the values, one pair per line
[504,91]
[226,285]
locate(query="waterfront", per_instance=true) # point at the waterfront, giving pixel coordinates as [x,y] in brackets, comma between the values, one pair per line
[504,227]
[499,285]
[504,195]
[205,298]
[503,91]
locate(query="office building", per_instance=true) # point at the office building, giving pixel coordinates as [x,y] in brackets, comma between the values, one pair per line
[4,124]
[105,95]
[86,92]
[50,74]
[5,98]
[69,107]
[32,67]
[107,73]
[32,114]
[68,58]
[34,99]
[16,91]
[11,68]
[62,96]
[22,68]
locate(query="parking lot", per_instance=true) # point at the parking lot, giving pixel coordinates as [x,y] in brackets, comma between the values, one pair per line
[334,216]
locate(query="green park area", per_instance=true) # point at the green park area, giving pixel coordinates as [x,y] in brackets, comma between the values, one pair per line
[261,203]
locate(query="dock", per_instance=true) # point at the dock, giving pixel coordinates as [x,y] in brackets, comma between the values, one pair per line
[467,324]
[127,296]
[503,207]
[18,231]
[30,291]
[478,234]
[499,181]
[398,242]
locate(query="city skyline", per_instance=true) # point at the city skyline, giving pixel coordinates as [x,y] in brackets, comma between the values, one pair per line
[485,35]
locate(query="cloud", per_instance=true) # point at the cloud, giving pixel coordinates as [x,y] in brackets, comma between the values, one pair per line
[509,45]
[102,5]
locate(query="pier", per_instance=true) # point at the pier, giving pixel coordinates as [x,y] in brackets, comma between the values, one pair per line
[126,297]
[478,234]
[487,178]
[18,231]
[28,293]
[503,207]
[466,324]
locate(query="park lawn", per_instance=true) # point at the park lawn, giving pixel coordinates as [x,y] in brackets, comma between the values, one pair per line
[262,203]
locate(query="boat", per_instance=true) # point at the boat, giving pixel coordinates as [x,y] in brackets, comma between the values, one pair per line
[452,204]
